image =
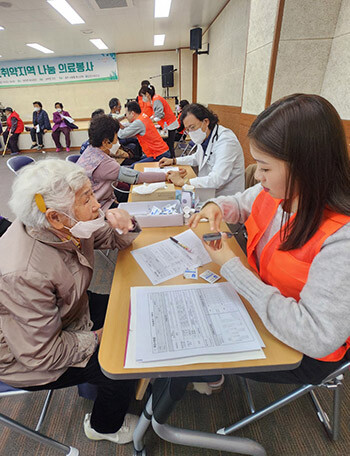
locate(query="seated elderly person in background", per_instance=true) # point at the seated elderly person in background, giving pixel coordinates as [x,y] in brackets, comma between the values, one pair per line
[50,325]
[103,170]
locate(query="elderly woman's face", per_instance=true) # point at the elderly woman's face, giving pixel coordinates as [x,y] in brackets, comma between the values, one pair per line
[86,205]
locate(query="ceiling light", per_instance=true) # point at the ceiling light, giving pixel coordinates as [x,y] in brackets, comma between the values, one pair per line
[2,28]
[0,55]
[64,8]
[159,40]
[162,8]
[99,43]
[40,48]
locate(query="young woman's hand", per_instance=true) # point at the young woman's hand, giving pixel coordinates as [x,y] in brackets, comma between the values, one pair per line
[220,252]
[212,212]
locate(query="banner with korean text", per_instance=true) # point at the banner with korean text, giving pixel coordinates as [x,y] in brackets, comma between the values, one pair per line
[95,67]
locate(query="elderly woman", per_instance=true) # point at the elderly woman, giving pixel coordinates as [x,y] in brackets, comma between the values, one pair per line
[50,325]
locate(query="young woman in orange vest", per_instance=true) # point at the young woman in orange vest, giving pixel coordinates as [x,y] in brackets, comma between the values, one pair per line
[141,126]
[14,128]
[146,106]
[298,224]
[162,114]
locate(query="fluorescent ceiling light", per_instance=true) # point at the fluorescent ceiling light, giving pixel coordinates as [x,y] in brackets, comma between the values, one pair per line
[0,55]
[40,48]
[64,8]
[159,40]
[2,28]
[162,8]
[99,43]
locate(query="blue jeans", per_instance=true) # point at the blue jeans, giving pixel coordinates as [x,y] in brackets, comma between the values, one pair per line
[144,158]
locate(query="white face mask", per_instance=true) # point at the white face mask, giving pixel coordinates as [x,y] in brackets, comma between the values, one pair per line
[84,230]
[197,136]
[36,108]
[144,99]
[114,149]
[115,115]
[59,110]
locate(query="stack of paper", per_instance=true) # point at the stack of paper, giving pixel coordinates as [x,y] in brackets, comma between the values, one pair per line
[185,324]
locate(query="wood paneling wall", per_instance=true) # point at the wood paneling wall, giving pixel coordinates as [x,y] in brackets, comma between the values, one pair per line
[232,117]
[346,124]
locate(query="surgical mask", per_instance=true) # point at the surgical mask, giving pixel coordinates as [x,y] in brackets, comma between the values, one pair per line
[36,109]
[58,110]
[144,99]
[84,230]
[115,115]
[197,136]
[114,149]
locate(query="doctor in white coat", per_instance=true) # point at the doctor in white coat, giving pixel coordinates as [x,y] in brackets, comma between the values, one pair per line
[217,153]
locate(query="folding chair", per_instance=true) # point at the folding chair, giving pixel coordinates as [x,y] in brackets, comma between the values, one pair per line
[16,163]
[73,158]
[5,391]
[334,382]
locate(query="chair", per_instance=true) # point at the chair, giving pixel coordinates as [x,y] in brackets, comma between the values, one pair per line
[334,382]
[16,163]
[5,391]
[73,158]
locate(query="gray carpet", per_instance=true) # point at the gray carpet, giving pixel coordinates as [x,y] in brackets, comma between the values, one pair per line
[291,431]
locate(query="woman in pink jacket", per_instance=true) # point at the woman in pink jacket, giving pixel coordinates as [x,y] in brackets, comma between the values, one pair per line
[61,125]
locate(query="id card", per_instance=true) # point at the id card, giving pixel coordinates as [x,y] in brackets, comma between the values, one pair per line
[210,276]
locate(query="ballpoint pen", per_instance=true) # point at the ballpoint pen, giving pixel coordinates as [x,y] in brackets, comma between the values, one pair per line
[181,245]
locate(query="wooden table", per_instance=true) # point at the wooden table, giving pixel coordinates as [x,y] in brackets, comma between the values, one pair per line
[128,274]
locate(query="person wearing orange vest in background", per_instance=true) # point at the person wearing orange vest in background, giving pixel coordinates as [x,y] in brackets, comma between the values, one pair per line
[162,114]
[141,126]
[146,106]
[14,128]
[298,224]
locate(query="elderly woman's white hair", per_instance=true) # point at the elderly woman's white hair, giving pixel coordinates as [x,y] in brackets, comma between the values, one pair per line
[56,180]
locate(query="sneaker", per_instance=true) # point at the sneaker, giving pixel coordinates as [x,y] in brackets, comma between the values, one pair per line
[40,146]
[58,149]
[33,146]
[123,435]
[207,388]
[67,149]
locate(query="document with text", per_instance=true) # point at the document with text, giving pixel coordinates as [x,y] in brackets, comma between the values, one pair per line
[190,320]
[161,170]
[166,259]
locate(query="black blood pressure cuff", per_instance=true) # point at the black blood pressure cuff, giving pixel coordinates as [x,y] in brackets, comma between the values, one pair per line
[128,175]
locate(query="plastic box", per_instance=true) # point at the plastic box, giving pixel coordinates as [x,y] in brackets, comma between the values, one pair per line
[140,210]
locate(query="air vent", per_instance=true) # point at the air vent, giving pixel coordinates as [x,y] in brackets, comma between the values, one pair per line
[104,4]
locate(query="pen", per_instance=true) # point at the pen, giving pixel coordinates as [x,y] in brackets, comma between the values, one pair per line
[181,245]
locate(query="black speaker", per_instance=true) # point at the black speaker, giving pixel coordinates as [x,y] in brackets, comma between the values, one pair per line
[167,75]
[196,38]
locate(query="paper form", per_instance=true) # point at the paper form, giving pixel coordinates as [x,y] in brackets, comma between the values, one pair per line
[191,320]
[166,259]
[161,170]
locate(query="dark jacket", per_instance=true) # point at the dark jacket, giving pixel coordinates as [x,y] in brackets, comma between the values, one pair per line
[41,118]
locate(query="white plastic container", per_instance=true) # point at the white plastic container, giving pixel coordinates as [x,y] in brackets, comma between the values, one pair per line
[141,209]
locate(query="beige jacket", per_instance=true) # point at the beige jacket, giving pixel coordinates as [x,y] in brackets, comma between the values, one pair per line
[45,324]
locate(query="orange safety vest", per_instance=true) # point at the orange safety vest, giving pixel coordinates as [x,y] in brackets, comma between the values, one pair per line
[151,142]
[288,270]
[146,108]
[169,116]
[20,125]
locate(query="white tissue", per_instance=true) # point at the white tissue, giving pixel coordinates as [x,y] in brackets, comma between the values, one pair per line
[146,189]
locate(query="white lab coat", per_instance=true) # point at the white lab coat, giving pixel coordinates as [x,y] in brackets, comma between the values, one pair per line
[221,166]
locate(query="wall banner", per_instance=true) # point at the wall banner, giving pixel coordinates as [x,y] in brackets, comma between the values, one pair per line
[95,67]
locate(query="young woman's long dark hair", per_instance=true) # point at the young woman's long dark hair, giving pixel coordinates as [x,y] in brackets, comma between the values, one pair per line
[306,132]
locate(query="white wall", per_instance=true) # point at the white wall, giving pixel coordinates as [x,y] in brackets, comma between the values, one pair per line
[336,82]
[305,43]
[220,74]
[186,74]
[80,99]
[260,37]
